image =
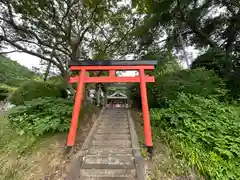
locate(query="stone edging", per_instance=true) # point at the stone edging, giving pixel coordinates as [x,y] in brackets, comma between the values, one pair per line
[139,160]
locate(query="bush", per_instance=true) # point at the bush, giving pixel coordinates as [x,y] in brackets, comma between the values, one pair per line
[215,59]
[57,80]
[164,66]
[198,81]
[168,84]
[203,131]
[42,115]
[36,89]
[5,90]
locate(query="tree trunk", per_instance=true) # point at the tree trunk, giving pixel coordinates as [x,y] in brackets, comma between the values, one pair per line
[47,71]
[184,50]
[69,86]
[105,95]
[98,96]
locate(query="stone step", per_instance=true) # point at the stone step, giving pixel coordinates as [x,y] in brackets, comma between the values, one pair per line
[116,112]
[113,131]
[113,126]
[107,166]
[115,119]
[111,136]
[112,143]
[115,115]
[126,160]
[110,156]
[124,122]
[109,150]
[119,116]
[110,173]
[115,123]
[106,178]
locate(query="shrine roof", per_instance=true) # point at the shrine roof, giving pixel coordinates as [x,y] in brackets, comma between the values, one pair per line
[117,95]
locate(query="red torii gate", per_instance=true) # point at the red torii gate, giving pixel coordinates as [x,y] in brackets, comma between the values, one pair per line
[112,67]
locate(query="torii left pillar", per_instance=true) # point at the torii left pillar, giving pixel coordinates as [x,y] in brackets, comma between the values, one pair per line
[76,110]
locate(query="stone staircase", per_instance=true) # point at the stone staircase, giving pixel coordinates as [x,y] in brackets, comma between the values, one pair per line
[111,150]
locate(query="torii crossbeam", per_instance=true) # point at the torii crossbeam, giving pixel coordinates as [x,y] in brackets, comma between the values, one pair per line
[112,67]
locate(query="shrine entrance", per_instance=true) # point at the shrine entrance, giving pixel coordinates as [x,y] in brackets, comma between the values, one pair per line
[117,100]
[112,67]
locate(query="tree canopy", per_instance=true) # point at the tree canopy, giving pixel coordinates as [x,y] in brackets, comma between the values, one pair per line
[57,31]
[212,27]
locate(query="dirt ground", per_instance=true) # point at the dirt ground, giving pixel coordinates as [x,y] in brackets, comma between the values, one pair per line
[59,170]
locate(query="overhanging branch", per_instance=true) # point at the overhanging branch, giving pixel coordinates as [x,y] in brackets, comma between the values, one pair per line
[25,50]
[194,27]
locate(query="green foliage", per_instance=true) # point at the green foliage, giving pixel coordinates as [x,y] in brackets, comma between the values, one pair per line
[12,73]
[217,35]
[198,81]
[41,115]
[169,83]
[211,60]
[216,60]
[57,80]
[5,90]
[35,89]
[167,63]
[233,84]
[203,131]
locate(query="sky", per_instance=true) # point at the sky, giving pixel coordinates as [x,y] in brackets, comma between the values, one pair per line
[32,61]
[25,59]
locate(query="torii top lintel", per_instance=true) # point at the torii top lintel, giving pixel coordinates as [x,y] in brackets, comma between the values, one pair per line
[111,66]
[113,63]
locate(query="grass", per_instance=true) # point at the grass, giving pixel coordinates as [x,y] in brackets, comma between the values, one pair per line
[165,165]
[28,158]
[25,157]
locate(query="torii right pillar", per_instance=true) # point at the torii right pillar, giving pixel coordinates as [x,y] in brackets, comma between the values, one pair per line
[145,111]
